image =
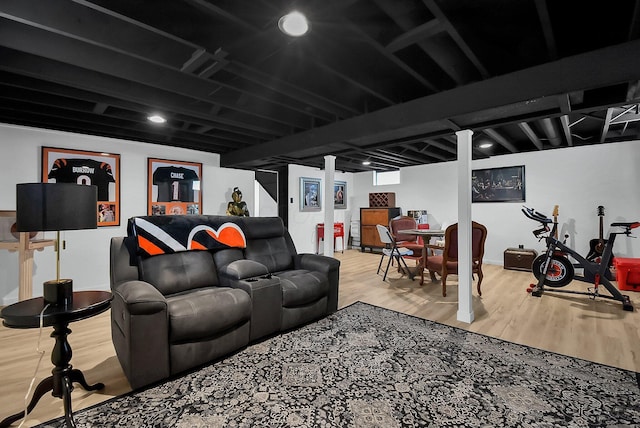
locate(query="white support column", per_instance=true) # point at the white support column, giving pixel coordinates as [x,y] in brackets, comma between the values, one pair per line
[329,173]
[465,279]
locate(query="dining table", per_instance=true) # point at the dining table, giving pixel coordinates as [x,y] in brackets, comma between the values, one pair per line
[426,235]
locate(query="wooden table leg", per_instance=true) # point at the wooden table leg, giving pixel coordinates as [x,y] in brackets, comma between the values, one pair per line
[423,263]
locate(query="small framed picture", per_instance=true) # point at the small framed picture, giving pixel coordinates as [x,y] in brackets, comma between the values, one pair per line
[340,194]
[174,187]
[310,194]
[91,168]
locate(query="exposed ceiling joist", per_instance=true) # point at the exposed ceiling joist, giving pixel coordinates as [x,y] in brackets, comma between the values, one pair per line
[495,135]
[564,120]
[605,125]
[455,35]
[526,129]
[415,35]
[564,75]
[391,77]
[547,28]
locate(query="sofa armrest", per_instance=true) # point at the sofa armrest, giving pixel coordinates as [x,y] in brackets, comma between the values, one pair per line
[140,332]
[316,262]
[140,298]
[327,265]
[240,269]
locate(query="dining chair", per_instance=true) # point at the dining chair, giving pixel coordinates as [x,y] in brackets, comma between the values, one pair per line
[412,242]
[393,252]
[447,263]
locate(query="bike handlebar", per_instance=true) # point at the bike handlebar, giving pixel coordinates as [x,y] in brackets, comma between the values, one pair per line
[535,215]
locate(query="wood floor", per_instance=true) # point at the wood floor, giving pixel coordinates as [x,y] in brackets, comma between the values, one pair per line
[595,330]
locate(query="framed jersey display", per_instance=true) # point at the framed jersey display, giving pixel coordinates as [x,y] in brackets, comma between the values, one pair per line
[90,168]
[174,187]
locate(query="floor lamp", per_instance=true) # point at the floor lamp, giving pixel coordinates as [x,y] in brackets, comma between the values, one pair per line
[56,207]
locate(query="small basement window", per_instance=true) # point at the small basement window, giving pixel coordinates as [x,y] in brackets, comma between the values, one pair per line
[382,178]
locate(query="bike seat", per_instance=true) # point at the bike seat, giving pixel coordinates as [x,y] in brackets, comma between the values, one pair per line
[631,225]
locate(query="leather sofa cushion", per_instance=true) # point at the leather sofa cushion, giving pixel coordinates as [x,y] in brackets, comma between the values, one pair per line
[206,313]
[178,272]
[261,227]
[301,287]
[271,252]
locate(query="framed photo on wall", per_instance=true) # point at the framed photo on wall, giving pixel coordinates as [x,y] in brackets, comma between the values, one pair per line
[498,184]
[310,194]
[174,187]
[91,168]
[340,194]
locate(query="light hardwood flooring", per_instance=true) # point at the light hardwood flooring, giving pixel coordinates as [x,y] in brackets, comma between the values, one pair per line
[596,330]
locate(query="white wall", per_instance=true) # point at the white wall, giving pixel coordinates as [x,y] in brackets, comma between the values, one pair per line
[302,225]
[86,258]
[221,187]
[266,206]
[578,179]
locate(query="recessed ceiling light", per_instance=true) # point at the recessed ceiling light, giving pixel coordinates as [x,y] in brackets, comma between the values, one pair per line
[294,24]
[156,118]
[366,163]
[485,145]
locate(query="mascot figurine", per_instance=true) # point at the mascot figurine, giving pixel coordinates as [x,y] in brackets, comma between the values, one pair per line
[237,207]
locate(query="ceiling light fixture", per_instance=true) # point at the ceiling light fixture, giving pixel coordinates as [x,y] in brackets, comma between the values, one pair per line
[485,145]
[156,118]
[366,162]
[294,24]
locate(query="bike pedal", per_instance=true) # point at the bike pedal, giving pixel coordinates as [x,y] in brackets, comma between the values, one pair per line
[593,293]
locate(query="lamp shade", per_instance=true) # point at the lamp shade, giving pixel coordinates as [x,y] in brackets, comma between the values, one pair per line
[56,206]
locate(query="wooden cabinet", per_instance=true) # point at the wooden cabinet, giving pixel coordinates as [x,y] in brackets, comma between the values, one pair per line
[369,218]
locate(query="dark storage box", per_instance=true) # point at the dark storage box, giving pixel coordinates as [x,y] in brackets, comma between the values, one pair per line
[519,258]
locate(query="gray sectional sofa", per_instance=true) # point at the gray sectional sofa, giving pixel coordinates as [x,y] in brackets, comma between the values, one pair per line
[183,299]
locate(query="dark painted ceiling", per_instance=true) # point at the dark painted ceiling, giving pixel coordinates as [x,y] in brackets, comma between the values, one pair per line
[388,81]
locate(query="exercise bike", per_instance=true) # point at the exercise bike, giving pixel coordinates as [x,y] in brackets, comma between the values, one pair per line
[554,269]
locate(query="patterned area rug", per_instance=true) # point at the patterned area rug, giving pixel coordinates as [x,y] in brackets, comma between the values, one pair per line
[369,367]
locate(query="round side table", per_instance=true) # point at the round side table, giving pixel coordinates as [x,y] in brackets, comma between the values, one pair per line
[26,314]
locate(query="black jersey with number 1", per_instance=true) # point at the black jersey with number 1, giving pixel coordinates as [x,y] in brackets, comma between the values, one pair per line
[175,183]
